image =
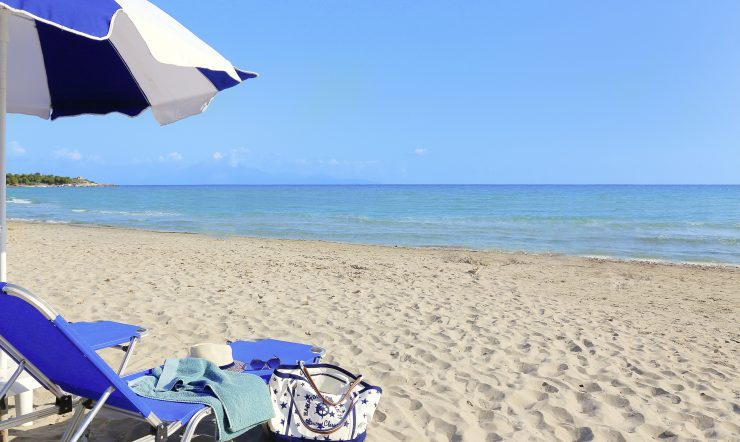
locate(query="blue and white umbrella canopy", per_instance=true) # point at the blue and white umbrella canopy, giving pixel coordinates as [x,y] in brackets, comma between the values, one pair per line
[72,57]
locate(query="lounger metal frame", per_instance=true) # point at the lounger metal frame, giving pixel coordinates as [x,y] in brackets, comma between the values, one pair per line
[66,403]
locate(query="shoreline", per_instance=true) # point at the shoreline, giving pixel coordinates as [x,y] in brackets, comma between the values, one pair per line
[594,258]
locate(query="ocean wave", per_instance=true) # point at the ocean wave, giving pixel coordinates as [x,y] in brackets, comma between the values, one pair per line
[665,239]
[153,213]
[79,210]
[19,201]
[40,221]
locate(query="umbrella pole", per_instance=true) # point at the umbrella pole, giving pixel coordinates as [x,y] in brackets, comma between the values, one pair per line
[24,399]
[4,38]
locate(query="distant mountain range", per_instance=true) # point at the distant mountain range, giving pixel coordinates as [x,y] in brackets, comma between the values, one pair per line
[153,173]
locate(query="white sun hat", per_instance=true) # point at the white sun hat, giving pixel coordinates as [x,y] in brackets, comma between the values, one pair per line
[219,354]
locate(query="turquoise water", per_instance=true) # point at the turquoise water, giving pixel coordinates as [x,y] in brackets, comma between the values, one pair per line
[675,223]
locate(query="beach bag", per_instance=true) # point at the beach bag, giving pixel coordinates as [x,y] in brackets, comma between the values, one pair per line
[320,401]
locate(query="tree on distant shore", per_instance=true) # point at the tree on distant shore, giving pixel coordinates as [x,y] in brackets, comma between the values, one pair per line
[34,179]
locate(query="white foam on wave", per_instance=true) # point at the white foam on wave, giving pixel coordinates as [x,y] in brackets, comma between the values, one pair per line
[79,210]
[141,213]
[39,221]
[19,201]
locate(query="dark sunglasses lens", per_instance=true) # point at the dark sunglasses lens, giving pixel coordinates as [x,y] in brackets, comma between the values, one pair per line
[256,364]
[273,363]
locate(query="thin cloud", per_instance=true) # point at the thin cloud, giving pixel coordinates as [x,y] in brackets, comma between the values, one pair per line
[66,154]
[333,162]
[234,157]
[17,149]
[174,157]
[420,151]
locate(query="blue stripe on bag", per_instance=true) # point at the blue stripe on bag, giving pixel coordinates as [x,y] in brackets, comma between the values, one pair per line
[290,414]
[283,438]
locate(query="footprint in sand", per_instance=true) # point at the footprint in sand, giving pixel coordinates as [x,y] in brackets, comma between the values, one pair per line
[559,414]
[616,400]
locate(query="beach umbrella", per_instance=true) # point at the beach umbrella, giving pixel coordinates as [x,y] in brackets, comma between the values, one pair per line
[62,58]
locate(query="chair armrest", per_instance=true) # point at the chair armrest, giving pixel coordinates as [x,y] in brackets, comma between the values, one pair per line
[105,334]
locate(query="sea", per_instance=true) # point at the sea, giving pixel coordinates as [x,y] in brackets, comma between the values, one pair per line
[698,224]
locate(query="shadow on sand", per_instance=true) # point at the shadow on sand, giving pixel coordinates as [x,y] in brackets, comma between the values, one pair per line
[109,426]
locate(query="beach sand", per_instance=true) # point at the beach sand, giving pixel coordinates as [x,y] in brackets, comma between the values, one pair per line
[472,346]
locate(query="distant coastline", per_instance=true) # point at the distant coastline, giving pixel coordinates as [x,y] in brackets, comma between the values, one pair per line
[39,180]
[63,185]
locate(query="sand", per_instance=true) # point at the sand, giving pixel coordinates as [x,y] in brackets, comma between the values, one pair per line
[472,346]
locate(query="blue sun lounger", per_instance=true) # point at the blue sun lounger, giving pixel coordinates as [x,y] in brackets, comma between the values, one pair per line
[63,358]
[99,335]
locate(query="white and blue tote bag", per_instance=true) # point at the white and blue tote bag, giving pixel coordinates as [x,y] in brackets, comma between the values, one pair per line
[320,402]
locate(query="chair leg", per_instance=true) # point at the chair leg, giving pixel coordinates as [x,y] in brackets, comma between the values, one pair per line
[74,422]
[4,434]
[127,356]
[87,435]
[171,429]
[81,430]
[189,432]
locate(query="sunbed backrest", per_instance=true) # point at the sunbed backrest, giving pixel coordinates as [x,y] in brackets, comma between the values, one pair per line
[48,342]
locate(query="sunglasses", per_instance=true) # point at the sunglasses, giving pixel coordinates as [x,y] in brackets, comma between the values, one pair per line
[259,364]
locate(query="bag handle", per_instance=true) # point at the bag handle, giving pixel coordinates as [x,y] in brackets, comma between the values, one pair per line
[329,430]
[310,380]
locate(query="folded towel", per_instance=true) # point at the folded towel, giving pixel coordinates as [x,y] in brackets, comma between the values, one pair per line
[240,401]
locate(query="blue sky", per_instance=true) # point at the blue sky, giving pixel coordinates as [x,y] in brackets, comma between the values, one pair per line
[433,92]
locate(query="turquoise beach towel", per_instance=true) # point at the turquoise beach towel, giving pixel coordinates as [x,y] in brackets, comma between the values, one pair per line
[240,401]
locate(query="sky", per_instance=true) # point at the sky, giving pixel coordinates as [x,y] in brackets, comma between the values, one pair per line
[443,92]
